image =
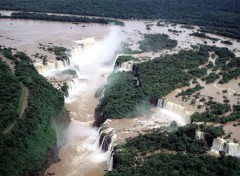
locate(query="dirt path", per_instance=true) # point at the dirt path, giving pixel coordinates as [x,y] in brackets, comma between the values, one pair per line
[24,106]
[25,100]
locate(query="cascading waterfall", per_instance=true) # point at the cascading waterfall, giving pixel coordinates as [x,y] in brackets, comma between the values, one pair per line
[234,149]
[94,60]
[200,135]
[229,148]
[125,66]
[160,103]
[72,86]
[174,112]
[50,67]
[102,93]
[218,145]
[180,110]
[110,162]
[106,145]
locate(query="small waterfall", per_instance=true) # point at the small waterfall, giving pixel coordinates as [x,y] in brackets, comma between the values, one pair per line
[97,143]
[105,143]
[110,162]
[218,145]
[229,148]
[160,103]
[102,93]
[175,111]
[72,86]
[180,110]
[45,70]
[125,66]
[200,135]
[102,144]
[233,149]
[137,83]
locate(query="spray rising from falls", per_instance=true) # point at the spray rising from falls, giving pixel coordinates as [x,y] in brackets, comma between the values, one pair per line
[174,112]
[99,59]
[94,60]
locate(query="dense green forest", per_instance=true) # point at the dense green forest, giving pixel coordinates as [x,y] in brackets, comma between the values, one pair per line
[156,42]
[25,148]
[130,93]
[171,153]
[73,19]
[217,16]
[10,92]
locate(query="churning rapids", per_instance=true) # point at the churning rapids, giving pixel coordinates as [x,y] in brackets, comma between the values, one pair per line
[86,152]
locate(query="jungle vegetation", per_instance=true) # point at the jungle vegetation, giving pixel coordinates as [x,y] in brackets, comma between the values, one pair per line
[25,147]
[171,153]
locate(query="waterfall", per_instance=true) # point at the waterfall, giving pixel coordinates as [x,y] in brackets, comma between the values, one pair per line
[218,145]
[174,112]
[102,93]
[110,163]
[72,86]
[50,67]
[200,135]
[160,103]
[137,83]
[180,110]
[97,143]
[229,148]
[103,141]
[234,149]
[125,66]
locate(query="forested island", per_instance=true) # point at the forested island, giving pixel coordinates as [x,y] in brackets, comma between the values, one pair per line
[158,77]
[27,140]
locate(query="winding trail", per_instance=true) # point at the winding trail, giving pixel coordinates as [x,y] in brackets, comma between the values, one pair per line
[25,100]
[23,107]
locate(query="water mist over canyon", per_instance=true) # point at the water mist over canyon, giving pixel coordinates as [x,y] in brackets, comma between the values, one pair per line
[84,154]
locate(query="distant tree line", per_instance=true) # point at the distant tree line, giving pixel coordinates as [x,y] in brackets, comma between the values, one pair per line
[73,19]
[215,16]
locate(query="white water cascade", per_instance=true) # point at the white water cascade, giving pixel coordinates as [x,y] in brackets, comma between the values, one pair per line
[73,86]
[230,148]
[50,67]
[200,135]
[88,150]
[173,112]
[160,103]
[103,91]
[125,66]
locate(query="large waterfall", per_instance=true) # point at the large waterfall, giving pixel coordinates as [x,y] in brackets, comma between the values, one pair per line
[229,148]
[105,142]
[51,66]
[125,66]
[88,151]
[174,112]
